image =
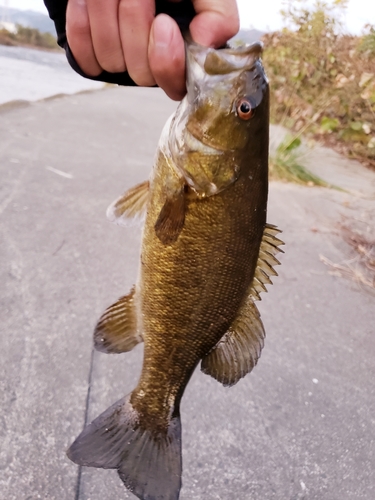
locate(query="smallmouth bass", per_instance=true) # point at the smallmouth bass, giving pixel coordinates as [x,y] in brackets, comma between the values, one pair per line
[207,253]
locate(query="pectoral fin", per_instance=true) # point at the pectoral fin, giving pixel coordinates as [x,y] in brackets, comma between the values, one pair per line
[131,206]
[116,330]
[171,219]
[239,350]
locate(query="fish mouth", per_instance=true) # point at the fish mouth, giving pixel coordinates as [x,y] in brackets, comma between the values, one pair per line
[194,144]
[181,139]
[222,61]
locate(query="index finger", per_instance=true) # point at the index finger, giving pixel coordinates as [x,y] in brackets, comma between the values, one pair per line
[78,33]
[215,23]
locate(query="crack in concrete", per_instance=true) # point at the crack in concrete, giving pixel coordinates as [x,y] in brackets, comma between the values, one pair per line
[87,404]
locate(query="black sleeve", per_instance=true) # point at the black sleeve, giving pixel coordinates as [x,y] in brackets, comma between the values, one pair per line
[182,12]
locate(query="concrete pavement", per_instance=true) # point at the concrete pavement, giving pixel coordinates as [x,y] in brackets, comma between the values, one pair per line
[301,426]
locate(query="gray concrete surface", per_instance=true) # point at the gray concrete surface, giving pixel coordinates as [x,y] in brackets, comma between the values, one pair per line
[301,426]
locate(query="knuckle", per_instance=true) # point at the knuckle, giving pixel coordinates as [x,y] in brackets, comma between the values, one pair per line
[128,7]
[111,64]
[235,24]
[142,77]
[229,28]
[109,54]
[78,26]
[230,24]
[143,80]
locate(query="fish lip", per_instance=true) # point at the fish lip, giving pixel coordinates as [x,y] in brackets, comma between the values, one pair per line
[237,59]
[244,49]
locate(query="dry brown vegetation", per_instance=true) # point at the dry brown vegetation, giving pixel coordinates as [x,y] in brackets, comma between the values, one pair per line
[322,81]
[359,233]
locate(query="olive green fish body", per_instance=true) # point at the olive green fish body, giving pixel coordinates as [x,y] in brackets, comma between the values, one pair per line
[207,252]
[192,290]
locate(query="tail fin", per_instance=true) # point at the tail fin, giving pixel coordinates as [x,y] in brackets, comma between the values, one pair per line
[149,464]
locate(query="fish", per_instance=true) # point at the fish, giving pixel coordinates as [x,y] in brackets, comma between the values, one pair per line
[207,253]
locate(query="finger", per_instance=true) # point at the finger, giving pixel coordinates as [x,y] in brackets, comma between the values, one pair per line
[167,56]
[216,21]
[135,19]
[103,16]
[79,37]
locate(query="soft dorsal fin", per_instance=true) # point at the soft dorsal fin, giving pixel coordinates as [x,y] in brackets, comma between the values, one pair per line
[239,349]
[269,247]
[116,330]
[131,206]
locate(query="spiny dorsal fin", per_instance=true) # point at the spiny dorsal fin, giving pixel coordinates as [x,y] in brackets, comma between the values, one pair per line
[239,350]
[116,330]
[269,247]
[131,206]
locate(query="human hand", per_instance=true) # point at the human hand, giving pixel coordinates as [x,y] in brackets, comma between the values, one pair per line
[125,35]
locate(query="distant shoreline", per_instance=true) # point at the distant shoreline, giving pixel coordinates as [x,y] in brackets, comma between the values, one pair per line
[29,38]
[57,50]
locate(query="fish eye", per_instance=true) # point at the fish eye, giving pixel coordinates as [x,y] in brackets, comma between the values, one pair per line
[244,109]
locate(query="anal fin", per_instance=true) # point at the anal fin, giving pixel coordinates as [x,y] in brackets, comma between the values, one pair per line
[130,206]
[116,330]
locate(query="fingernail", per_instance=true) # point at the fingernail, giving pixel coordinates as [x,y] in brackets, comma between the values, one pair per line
[162,32]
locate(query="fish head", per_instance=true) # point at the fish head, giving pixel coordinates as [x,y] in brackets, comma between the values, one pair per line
[223,121]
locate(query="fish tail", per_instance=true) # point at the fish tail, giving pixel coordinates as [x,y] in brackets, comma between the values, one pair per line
[148,462]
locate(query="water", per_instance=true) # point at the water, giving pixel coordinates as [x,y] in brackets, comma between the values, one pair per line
[29,74]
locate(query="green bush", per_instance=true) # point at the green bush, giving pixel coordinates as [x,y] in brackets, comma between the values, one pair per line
[322,80]
[367,44]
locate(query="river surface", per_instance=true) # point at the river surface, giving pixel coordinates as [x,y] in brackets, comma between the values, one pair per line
[29,74]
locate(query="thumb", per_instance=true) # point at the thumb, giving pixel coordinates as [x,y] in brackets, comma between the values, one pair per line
[216,21]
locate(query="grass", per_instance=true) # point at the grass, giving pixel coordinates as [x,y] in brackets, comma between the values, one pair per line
[286,164]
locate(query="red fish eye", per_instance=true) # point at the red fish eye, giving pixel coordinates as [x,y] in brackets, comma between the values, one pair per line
[244,109]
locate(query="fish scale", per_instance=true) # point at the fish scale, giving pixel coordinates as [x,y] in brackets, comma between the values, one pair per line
[172,265]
